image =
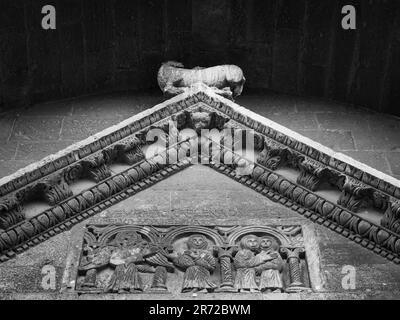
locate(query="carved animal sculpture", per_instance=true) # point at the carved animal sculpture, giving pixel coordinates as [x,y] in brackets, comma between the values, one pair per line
[226,80]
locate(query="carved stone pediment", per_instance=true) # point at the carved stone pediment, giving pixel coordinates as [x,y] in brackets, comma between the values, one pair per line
[142,164]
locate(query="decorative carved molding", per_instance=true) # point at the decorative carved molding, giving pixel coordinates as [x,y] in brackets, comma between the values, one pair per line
[96,167]
[201,259]
[25,233]
[276,155]
[51,179]
[319,210]
[356,195]
[391,220]
[314,174]
[10,212]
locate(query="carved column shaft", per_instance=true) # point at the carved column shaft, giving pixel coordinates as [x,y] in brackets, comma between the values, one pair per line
[294,271]
[225,259]
[226,272]
[295,276]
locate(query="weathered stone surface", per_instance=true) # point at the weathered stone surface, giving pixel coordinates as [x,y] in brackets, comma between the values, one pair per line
[37,128]
[24,279]
[33,151]
[227,80]
[375,159]
[6,124]
[198,195]
[53,252]
[63,107]
[394,162]
[303,121]
[78,128]
[267,103]
[22,273]
[7,150]
[375,139]
[336,140]
[212,196]
[122,104]
[10,166]
[349,121]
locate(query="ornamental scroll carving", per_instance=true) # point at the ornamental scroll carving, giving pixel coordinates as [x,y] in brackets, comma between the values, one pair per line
[192,259]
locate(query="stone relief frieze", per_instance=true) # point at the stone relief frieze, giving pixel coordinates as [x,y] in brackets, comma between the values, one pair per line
[192,259]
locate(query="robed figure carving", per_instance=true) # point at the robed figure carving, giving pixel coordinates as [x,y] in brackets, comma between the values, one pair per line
[96,259]
[129,260]
[270,271]
[198,263]
[245,261]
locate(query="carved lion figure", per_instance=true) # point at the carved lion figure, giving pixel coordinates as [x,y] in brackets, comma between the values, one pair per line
[226,80]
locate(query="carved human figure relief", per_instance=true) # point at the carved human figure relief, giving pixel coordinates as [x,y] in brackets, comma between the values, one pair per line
[198,263]
[271,271]
[246,260]
[129,260]
[95,259]
[159,257]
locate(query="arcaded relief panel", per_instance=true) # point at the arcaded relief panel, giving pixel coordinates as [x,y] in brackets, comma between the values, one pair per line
[192,259]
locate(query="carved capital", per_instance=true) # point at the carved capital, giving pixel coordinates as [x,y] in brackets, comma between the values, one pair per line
[96,168]
[130,151]
[73,173]
[292,253]
[55,190]
[10,212]
[225,251]
[276,155]
[313,174]
[356,195]
[391,219]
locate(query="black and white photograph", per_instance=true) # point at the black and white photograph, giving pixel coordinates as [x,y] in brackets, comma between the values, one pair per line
[217,152]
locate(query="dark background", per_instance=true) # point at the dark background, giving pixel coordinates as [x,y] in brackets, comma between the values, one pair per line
[289,46]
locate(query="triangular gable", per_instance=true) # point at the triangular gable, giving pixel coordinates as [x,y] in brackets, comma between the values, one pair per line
[51,179]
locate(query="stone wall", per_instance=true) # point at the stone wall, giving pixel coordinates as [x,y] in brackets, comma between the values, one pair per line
[201,196]
[295,47]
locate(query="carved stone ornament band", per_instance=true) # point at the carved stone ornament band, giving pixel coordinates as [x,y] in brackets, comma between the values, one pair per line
[52,180]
